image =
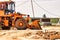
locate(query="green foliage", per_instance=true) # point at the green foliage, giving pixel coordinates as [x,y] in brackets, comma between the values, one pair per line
[54,20]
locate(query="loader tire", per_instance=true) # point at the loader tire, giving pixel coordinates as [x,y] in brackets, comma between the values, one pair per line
[22,26]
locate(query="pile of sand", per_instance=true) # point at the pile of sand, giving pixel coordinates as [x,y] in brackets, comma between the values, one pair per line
[19,35]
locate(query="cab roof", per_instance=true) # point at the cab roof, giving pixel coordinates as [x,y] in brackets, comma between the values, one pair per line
[4,2]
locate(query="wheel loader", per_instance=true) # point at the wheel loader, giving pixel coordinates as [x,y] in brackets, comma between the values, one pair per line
[9,18]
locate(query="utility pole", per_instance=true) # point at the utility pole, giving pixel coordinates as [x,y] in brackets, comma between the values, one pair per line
[32,8]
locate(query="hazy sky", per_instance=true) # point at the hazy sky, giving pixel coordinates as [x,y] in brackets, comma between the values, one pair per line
[52,6]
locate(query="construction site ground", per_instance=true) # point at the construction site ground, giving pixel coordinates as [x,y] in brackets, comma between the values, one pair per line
[27,34]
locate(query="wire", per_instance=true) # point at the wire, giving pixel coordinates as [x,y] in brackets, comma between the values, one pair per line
[31,5]
[45,9]
[39,7]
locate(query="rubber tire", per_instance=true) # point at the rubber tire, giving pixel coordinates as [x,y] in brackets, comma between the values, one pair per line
[21,27]
[5,28]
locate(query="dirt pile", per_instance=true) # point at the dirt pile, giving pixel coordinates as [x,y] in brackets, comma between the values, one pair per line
[20,35]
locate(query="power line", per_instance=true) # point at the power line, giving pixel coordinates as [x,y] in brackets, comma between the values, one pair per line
[38,6]
[44,9]
[31,5]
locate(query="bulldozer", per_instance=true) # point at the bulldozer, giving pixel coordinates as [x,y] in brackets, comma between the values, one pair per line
[10,18]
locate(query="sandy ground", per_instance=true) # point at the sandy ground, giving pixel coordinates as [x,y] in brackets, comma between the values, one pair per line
[51,28]
[20,35]
[26,34]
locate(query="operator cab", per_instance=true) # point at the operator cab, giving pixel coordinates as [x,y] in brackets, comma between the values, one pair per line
[7,6]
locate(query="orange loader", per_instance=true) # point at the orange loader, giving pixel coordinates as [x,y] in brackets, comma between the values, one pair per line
[9,18]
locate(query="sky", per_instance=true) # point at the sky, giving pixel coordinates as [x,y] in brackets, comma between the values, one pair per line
[51,8]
